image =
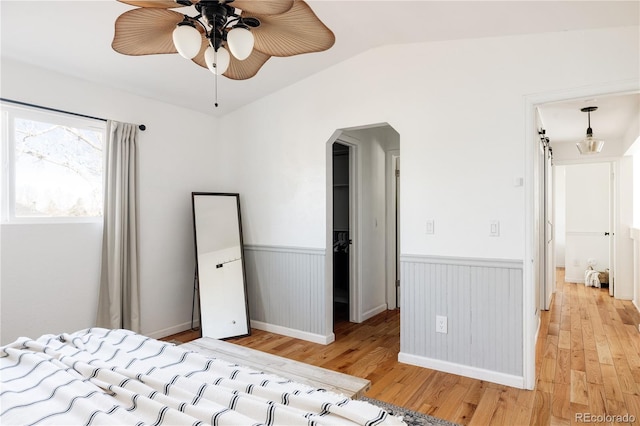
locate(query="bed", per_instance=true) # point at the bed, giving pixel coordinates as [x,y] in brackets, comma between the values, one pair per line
[100,376]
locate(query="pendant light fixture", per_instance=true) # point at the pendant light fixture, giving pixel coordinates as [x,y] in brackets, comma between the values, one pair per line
[589,145]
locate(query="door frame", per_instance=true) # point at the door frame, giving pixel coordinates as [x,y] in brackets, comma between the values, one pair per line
[393,234]
[531,319]
[355,231]
[546,227]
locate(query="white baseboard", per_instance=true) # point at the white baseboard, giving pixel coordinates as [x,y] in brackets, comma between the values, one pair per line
[291,332]
[463,370]
[172,330]
[635,303]
[373,312]
[574,280]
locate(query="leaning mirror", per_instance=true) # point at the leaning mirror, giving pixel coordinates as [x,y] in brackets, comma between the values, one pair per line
[220,272]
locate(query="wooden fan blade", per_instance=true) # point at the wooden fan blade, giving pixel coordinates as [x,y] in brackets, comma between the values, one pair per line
[238,70]
[243,70]
[146,31]
[263,7]
[294,32]
[164,4]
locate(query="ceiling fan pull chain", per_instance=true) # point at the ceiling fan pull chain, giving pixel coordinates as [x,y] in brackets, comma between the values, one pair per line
[215,76]
[216,89]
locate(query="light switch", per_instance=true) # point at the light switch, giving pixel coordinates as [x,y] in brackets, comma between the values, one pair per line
[494,228]
[430,227]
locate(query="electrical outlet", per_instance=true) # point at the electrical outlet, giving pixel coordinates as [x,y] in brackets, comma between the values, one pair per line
[441,324]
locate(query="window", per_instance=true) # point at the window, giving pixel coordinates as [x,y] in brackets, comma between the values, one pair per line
[53,166]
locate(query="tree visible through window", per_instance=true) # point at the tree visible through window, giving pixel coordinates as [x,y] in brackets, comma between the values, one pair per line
[57,166]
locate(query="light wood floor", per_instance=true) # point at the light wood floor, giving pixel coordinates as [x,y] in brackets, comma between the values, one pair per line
[587,361]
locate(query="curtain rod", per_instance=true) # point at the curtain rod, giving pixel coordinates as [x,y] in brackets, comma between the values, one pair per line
[141,126]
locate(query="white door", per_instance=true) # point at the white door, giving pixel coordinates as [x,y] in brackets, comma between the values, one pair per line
[588,219]
[540,219]
[545,267]
[549,231]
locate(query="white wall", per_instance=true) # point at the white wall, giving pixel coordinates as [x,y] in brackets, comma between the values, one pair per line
[624,263]
[636,189]
[631,138]
[372,147]
[50,273]
[458,116]
[460,109]
[49,278]
[559,203]
[634,152]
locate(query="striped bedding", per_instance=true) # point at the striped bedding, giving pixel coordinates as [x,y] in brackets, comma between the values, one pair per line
[99,376]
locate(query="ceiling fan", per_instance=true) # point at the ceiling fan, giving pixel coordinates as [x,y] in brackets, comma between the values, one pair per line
[251,30]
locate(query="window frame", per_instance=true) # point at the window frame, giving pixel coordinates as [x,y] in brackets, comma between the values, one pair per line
[8,160]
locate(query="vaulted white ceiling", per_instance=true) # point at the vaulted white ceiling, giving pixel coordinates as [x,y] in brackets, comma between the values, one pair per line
[74,37]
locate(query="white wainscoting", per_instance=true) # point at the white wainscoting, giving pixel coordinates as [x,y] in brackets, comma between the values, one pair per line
[286,290]
[482,300]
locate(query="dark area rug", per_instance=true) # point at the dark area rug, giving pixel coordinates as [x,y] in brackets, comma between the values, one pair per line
[410,417]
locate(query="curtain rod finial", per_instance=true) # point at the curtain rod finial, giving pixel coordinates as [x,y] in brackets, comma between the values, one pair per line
[142,127]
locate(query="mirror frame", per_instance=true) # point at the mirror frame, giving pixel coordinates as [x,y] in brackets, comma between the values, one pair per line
[197,266]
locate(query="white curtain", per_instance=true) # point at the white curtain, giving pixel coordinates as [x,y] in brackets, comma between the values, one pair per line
[119,302]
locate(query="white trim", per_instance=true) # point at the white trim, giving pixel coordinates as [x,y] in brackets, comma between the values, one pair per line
[462,370]
[290,332]
[328,258]
[9,113]
[634,233]
[355,262]
[538,328]
[614,200]
[531,139]
[587,160]
[286,249]
[464,261]
[391,255]
[166,332]
[355,227]
[373,312]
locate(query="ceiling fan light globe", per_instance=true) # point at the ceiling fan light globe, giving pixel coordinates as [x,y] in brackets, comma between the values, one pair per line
[187,40]
[217,62]
[240,41]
